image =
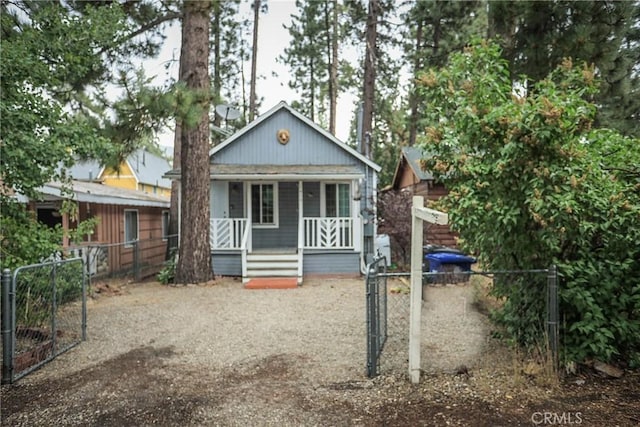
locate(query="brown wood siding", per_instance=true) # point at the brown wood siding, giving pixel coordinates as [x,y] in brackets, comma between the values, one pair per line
[433,234]
[110,233]
[406,177]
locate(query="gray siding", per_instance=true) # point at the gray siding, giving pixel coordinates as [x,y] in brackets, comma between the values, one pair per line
[236,200]
[327,263]
[286,235]
[227,264]
[311,203]
[306,146]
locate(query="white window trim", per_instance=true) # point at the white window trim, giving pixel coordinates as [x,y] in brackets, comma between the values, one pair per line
[323,197]
[128,245]
[166,216]
[276,204]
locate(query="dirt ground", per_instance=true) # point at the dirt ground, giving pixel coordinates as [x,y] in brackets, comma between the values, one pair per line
[154,380]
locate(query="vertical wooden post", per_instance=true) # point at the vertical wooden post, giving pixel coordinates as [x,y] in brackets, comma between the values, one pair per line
[300,230]
[8,328]
[416,291]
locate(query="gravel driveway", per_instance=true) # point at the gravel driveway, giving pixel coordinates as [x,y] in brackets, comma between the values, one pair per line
[218,354]
[268,350]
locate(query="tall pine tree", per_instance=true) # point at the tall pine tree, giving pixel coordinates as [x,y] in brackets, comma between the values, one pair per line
[194,261]
[432,30]
[313,59]
[536,36]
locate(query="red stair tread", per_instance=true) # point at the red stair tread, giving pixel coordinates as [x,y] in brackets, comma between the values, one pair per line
[272,283]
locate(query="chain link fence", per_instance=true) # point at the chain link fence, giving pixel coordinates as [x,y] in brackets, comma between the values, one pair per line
[43,314]
[462,312]
[138,259]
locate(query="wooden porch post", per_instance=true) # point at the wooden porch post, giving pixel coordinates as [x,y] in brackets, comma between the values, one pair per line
[357,220]
[300,229]
[247,198]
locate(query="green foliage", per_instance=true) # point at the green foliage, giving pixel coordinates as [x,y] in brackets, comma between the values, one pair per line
[46,57]
[537,36]
[394,216]
[168,272]
[35,288]
[84,229]
[309,58]
[532,184]
[23,240]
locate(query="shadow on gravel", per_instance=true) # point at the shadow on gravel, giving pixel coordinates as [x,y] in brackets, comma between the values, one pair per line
[131,389]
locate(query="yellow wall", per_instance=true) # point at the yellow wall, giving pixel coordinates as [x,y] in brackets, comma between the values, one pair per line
[122,179]
[126,179]
[152,189]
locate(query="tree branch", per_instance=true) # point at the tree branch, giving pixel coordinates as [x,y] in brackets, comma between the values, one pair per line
[149,26]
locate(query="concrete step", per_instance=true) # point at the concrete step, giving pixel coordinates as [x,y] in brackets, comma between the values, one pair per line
[272,257]
[272,273]
[260,265]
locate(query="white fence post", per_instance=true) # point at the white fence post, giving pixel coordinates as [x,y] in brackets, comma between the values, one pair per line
[416,291]
[418,214]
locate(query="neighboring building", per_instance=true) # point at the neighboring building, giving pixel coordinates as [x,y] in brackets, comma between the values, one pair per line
[142,171]
[409,176]
[124,216]
[289,199]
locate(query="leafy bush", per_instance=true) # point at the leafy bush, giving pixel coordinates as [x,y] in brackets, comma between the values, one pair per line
[24,240]
[532,184]
[168,272]
[34,290]
[394,213]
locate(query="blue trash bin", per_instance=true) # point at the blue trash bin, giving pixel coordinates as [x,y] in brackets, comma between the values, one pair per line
[449,262]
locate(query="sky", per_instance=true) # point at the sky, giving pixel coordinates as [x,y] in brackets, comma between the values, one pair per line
[273,38]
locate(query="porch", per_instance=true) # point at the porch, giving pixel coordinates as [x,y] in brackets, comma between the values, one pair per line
[324,244]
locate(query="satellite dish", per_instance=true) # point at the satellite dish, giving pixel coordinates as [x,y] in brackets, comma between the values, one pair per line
[227,112]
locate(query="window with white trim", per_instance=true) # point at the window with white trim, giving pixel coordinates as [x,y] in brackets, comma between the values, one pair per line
[337,200]
[264,204]
[165,225]
[130,226]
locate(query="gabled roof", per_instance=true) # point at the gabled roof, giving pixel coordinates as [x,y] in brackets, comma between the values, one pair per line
[284,106]
[411,157]
[147,167]
[98,193]
[88,170]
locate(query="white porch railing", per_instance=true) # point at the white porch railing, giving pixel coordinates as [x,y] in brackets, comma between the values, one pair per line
[314,233]
[329,233]
[245,247]
[226,233]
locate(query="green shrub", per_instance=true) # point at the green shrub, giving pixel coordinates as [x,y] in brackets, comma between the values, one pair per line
[531,185]
[168,272]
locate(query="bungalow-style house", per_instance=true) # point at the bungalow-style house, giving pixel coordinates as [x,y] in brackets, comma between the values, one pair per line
[289,199]
[124,216]
[409,176]
[142,171]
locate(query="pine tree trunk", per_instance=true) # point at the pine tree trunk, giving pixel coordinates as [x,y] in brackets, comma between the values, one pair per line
[332,28]
[254,61]
[174,204]
[369,76]
[414,98]
[194,263]
[217,58]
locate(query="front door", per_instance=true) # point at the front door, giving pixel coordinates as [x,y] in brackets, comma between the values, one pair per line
[219,199]
[274,215]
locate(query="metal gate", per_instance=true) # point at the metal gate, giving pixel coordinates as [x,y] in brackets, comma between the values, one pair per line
[43,314]
[376,282]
